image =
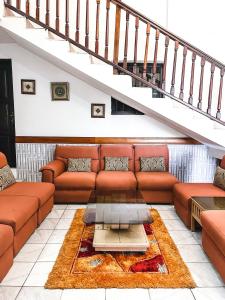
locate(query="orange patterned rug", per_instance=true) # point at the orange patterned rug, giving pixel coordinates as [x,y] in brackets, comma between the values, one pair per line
[79,266]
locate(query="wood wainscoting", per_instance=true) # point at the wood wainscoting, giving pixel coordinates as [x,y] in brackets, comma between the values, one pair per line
[104,140]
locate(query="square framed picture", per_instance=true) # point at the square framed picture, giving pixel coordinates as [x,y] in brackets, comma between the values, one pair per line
[60,91]
[28,86]
[97,110]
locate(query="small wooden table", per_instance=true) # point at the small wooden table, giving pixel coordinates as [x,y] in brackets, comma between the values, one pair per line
[200,204]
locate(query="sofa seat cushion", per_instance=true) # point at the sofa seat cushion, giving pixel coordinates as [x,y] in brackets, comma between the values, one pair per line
[41,190]
[76,181]
[184,191]
[213,222]
[6,238]
[17,210]
[155,181]
[116,180]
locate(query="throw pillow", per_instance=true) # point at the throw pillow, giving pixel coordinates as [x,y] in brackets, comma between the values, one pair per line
[219,178]
[152,164]
[79,165]
[6,177]
[116,164]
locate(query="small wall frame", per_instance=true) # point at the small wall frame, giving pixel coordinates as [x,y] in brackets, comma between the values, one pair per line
[28,87]
[97,110]
[60,91]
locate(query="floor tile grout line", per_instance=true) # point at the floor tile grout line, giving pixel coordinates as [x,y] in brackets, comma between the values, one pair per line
[35,263]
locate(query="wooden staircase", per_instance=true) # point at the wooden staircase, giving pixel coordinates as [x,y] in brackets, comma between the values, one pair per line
[190,76]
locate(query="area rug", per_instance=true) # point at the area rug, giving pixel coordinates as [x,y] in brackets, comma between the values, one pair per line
[79,266]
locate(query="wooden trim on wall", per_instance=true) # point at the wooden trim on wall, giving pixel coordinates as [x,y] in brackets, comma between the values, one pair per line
[103,140]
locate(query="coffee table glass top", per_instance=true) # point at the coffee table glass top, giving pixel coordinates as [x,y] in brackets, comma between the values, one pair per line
[117,207]
[210,203]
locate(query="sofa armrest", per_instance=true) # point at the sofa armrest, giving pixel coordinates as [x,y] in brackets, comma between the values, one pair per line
[52,170]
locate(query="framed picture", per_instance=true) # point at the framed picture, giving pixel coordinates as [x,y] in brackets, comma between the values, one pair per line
[60,91]
[28,87]
[97,110]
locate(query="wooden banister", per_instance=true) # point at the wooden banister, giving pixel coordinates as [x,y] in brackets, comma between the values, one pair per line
[139,32]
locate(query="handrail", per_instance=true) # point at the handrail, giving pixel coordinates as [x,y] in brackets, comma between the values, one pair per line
[149,24]
[168,33]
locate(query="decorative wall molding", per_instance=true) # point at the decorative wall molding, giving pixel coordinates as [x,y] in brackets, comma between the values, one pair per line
[190,163]
[104,140]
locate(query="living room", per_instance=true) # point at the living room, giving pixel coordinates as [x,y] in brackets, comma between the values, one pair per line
[112,150]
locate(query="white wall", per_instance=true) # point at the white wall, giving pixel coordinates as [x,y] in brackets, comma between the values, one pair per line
[39,116]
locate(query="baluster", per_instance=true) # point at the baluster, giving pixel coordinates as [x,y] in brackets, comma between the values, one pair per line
[210,89]
[117,36]
[190,99]
[27,7]
[135,45]
[67,19]
[155,55]
[18,4]
[181,96]
[87,25]
[126,41]
[47,13]
[167,40]
[172,90]
[77,35]
[97,27]
[218,114]
[146,50]
[107,30]
[201,83]
[37,10]
[57,16]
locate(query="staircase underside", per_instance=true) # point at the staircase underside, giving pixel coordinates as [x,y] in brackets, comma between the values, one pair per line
[90,70]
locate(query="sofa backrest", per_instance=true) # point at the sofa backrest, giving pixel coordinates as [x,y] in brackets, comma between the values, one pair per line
[222,164]
[3,160]
[150,151]
[65,152]
[117,151]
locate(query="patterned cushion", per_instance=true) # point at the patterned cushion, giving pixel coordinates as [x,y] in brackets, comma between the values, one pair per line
[219,178]
[116,164]
[79,165]
[152,164]
[6,177]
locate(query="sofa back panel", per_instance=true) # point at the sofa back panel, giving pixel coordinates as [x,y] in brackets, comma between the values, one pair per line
[117,151]
[222,164]
[3,160]
[65,152]
[150,151]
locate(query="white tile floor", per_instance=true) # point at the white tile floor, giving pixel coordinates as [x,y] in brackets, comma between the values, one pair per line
[32,265]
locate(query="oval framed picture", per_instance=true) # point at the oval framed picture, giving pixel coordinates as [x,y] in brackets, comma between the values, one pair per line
[60,91]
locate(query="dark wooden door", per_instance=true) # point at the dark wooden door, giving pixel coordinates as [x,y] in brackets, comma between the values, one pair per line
[7,120]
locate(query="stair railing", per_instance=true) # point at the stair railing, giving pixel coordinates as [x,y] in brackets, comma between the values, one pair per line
[196,78]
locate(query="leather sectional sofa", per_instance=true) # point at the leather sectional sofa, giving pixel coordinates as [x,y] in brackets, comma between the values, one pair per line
[183,192]
[23,206]
[75,187]
[213,238]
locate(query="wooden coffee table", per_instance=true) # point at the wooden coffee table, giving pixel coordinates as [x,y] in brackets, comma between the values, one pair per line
[118,217]
[200,204]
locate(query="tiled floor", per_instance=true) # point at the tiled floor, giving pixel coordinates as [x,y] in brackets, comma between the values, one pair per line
[34,262]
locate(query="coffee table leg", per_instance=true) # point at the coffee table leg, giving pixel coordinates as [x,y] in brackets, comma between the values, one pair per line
[192,223]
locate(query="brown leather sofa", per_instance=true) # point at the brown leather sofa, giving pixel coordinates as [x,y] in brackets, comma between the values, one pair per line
[155,186]
[213,238]
[72,186]
[116,180]
[6,249]
[184,191]
[23,206]
[76,186]
[43,193]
